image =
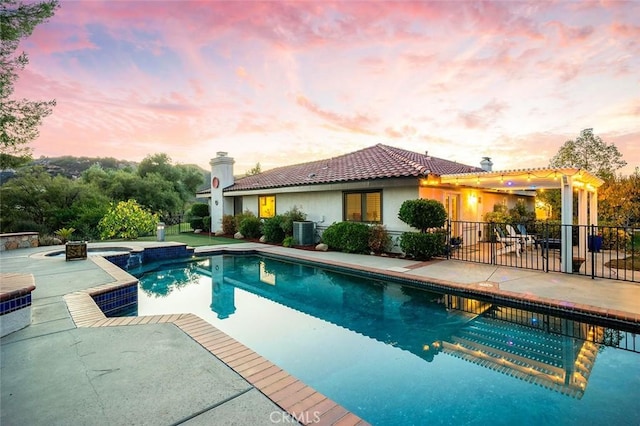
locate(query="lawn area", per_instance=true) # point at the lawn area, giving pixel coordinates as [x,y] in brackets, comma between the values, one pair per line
[630,263]
[195,240]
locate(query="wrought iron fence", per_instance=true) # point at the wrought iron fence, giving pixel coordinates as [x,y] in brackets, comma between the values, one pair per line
[596,251]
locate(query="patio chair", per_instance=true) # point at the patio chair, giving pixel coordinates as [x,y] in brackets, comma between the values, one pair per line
[527,240]
[509,244]
[530,238]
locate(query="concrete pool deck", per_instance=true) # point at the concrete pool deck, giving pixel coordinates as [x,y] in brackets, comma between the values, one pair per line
[72,367]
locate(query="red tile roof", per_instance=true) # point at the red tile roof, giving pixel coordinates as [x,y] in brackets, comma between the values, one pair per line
[376,162]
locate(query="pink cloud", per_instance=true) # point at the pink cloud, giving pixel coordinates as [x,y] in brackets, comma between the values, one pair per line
[358,123]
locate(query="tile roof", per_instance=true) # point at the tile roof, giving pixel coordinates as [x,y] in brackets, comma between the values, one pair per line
[376,162]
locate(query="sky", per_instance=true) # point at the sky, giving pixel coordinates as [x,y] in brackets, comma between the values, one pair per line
[281,83]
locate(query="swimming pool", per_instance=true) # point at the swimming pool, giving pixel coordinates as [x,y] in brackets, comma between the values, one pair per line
[394,354]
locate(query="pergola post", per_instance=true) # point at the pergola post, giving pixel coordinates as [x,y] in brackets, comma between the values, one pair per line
[566,221]
[582,219]
[593,208]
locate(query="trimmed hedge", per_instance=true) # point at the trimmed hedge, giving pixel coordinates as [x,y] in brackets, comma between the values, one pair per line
[422,246]
[348,237]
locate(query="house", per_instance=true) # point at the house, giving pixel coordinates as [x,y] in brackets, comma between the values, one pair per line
[370,185]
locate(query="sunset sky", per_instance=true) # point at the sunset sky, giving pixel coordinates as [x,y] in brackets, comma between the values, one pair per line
[289,82]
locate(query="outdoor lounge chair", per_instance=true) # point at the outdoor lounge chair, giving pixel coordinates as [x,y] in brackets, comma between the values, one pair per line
[527,240]
[509,244]
[528,237]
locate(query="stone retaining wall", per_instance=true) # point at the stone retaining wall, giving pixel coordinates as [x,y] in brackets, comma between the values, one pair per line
[18,240]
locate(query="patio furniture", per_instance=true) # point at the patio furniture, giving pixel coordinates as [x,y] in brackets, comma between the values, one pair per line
[524,239]
[509,244]
[550,243]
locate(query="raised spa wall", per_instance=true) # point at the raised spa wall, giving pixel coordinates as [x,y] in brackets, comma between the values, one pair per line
[18,240]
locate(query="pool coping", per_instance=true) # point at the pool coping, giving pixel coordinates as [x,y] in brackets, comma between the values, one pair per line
[303,403]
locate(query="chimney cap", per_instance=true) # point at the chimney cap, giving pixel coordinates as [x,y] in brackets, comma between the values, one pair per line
[221,154]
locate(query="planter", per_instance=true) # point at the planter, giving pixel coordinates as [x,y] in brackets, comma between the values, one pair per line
[75,250]
[595,243]
[577,263]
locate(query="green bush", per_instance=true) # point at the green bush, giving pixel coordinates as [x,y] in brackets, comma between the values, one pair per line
[250,227]
[241,216]
[200,210]
[293,215]
[272,229]
[127,220]
[422,246]
[289,242]
[196,223]
[229,224]
[423,214]
[379,238]
[349,237]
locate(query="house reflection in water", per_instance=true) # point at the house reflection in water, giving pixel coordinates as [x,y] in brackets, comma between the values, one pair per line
[549,351]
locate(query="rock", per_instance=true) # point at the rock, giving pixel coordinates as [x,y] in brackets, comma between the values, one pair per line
[197,231]
[57,241]
[263,239]
[219,233]
[322,247]
[238,236]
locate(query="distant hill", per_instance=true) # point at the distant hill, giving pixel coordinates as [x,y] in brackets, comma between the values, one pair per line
[72,167]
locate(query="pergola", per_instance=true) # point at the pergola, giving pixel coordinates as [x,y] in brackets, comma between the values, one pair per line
[567,180]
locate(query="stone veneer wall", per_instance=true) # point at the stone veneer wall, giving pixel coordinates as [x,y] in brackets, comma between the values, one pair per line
[18,240]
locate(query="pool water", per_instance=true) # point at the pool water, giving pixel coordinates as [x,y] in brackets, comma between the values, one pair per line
[393,354]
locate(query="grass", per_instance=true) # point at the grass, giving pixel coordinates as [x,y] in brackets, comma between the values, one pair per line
[195,240]
[630,263]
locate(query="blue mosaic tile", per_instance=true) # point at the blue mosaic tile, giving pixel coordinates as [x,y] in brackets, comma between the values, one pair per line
[14,304]
[116,300]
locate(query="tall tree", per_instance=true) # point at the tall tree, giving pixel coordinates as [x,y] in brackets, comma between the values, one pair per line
[619,200]
[591,153]
[19,118]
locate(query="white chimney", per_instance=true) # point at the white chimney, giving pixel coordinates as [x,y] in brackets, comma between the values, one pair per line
[221,177]
[486,164]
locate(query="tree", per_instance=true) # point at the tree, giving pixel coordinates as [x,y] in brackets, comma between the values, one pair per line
[591,153]
[619,200]
[19,118]
[423,214]
[127,220]
[254,171]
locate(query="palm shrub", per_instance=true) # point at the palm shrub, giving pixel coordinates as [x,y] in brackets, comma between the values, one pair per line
[424,215]
[349,237]
[65,234]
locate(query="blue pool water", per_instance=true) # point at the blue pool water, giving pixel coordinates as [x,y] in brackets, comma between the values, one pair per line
[394,355]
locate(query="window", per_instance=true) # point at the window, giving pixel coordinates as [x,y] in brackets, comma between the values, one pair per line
[363,206]
[266,206]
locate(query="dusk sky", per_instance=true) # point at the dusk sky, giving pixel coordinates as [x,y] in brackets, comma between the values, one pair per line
[283,83]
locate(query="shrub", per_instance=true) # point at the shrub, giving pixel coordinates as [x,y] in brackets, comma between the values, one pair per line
[349,237]
[289,242]
[241,216]
[379,238]
[422,246]
[196,223]
[293,215]
[423,214]
[250,227]
[229,224]
[272,229]
[127,220]
[200,210]
[65,234]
